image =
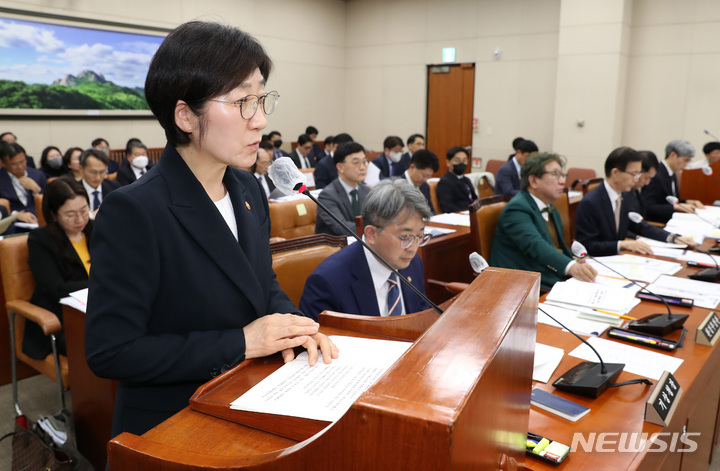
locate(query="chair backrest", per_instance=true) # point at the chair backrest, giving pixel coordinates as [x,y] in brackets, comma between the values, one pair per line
[6,202]
[493,165]
[563,207]
[484,217]
[432,184]
[581,174]
[294,260]
[291,219]
[484,188]
[17,278]
[590,184]
[38,210]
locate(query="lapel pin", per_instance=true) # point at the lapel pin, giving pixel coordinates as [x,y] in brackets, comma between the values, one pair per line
[410,279]
[247,205]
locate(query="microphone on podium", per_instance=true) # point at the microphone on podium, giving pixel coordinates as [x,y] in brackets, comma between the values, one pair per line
[290,180]
[478,262]
[657,324]
[708,172]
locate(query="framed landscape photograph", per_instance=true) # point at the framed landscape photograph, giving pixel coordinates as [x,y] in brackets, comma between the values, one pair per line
[64,69]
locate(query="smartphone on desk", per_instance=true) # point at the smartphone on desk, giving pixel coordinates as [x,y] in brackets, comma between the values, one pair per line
[545,449]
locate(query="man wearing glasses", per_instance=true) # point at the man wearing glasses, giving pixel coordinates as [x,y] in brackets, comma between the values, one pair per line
[345,195]
[529,233]
[94,169]
[353,281]
[602,221]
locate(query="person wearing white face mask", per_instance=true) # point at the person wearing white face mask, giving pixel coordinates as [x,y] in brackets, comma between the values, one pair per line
[391,162]
[136,162]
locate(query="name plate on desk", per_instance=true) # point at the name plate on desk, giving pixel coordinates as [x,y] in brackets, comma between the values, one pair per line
[663,401]
[707,333]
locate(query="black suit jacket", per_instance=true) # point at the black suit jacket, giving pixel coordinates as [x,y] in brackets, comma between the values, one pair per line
[336,200]
[325,172]
[171,288]
[316,154]
[653,196]
[106,187]
[425,190]
[507,181]
[455,194]
[295,156]
[125,174]
[382,163]
[595,223]
[8,191]
[55,277]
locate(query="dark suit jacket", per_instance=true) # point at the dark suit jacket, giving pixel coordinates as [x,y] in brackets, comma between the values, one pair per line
[55,277]
[125,174]
[336,200]
[343,283]
[452,193]
[325,172]
[277,153]
[8,191]
[595,223]
[507,181]
[171,288]
[425,190]
[268,180]
[522,241]
[316,154]
[381,162]
[106,187]
[653,196]
[295,156]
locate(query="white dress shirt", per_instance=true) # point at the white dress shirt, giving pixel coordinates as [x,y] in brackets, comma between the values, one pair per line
[380,274]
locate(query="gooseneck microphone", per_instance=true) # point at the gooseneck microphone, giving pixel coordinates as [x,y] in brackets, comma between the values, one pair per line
[708,274]
[657,324]
[707,131]
[286,176]
[708,171]
[478,262]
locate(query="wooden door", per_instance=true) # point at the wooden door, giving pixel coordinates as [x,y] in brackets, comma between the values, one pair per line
[451,89]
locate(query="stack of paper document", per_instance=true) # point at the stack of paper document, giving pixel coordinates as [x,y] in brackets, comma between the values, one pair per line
[578,294]
[569,317]
[438,231]
[700,225]
[633,267]
[706,295]
[77,299]
[546,359]
[455,219]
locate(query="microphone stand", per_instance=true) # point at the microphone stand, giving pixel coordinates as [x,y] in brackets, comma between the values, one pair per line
[301,188]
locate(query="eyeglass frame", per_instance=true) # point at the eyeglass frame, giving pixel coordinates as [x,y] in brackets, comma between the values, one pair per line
[73,215]
[635,176]
[557,174]
[239,103]
[421,240]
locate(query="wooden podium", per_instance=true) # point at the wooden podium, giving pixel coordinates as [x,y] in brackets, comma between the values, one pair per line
[459,398]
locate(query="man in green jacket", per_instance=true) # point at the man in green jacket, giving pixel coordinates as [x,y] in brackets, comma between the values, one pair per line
[529,234]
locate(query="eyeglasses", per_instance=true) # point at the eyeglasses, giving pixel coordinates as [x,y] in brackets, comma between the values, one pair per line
[72,215]
[96,173]
[557,174]
[250,104]
[358,162]
[406,241]
[635,175]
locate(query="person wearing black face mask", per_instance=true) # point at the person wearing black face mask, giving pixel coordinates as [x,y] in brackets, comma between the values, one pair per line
[276,139]
[455,191]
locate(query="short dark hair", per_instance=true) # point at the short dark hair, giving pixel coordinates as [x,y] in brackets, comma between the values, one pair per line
[649,160]
[132,144]
[516,142]
[330,140]
[93,153]
[273,133]
[454,150]
[711,146]
[411,139]
[304,139]
[44,158]
[535,166]
[8,150]
[346,149]
[267,145]
[392,141]
[6,133]
[343,138]
[311,130]
[198,61]
[98,141]
[620,158]
[68,155]
[526,146]
[425,158]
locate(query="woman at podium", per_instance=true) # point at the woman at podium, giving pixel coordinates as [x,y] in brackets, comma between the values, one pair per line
[182,287]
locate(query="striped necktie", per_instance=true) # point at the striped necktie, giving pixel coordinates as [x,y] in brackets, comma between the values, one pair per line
[393,300]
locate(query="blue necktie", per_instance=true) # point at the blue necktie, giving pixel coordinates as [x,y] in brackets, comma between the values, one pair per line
[96,199]
[393,300]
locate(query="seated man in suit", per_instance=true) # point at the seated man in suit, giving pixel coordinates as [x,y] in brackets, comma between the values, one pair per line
[18,183]
[262,164]
[316,153]
[301,154]
[602,221]
[649,170]
[345,195]
[678,154]
[391,162]
[353,281]
[136,163]
[94,169]
[423,164]
[529,233]
[507,181]
[276,140]
[328,151]
[103,146]
[712,155]
[414,143]
[455,191]
[325,171]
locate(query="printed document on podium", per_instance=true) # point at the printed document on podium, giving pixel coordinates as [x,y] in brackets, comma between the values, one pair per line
[324,391]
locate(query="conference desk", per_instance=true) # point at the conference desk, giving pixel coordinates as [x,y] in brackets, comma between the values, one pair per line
[445,258]
[622,409]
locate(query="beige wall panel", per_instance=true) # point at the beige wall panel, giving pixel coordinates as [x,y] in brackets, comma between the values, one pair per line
[584,13]
[591,39]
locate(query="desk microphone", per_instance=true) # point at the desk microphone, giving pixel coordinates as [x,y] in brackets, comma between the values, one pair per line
[478,262]
[588,378]
[707,131]
[708,171]
[286,176]
[657,324]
